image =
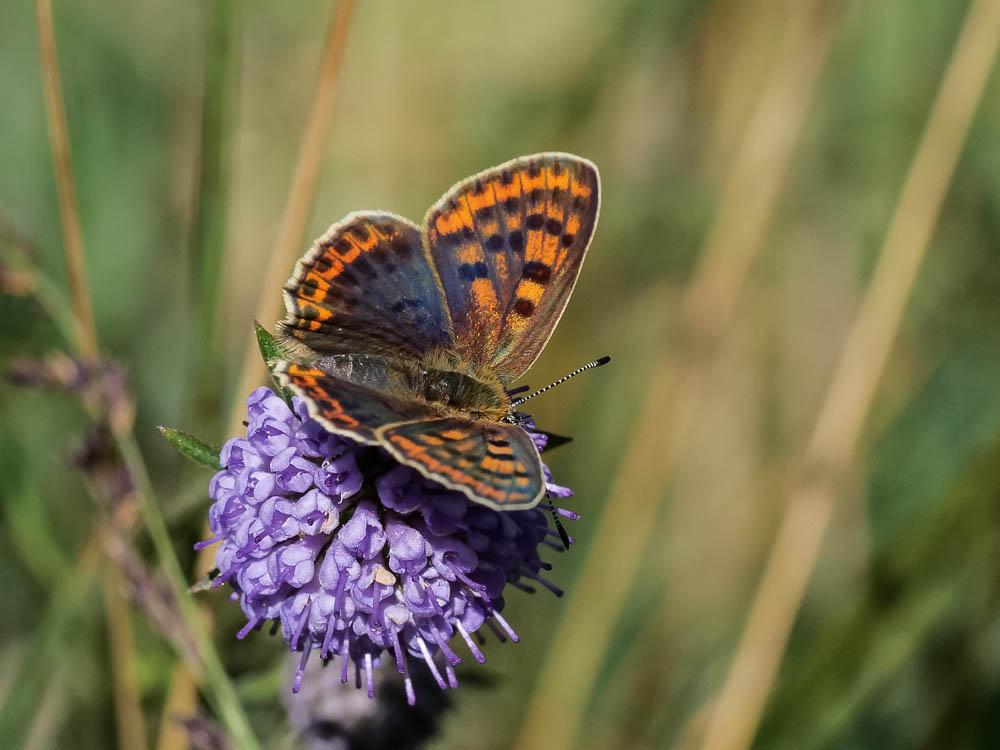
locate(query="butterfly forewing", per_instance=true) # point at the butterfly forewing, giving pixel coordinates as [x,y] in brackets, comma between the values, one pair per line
[508,245]
[366,286]
[492,463]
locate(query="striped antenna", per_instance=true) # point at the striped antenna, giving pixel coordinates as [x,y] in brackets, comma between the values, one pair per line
[589,366]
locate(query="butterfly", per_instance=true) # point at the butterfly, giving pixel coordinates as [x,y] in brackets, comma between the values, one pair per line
[409,337]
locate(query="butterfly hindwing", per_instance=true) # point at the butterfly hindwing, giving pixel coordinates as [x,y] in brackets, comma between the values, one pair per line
[347,408]
[366,287]
[508,245]
[495,464]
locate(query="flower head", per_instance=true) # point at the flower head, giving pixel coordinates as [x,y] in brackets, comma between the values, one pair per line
[357,556]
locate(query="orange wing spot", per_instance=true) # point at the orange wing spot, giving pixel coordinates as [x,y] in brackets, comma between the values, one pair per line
[490,227]
[572,224]
[347,256]
[533,250]
[560,181]
[550,245]
[319,286]
[529,183]
[554,211]
[580,189]
[495,466]
[449,223]
[530,290]
[479,201]
[514,223]
[454,434]
[312,313]
[484,295]
[306,373]
[503,192]
[471,253]
[465,212]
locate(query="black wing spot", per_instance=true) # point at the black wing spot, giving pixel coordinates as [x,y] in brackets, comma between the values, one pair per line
[346,278]
[524,307]
[552,226]
[534,221]
[537,272]
[367,269]
[494,243]
[516,240]
[401,247]
[567,239]
[512,204]
[473,271]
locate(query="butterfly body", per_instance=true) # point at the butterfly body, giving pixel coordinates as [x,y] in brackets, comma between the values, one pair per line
[435,380]
[409,337]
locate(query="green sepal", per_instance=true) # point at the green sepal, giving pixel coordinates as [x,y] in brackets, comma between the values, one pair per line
[270,349]
[200,452]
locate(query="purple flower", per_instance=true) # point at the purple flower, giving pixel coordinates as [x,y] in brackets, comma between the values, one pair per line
[359,557]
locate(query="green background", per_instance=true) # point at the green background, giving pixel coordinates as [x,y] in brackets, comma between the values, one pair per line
[897,644]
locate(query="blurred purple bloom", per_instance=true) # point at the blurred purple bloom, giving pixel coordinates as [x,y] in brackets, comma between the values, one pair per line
[358,556]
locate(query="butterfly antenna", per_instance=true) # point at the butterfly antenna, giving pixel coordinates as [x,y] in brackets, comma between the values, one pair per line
[589,366]
[563,536]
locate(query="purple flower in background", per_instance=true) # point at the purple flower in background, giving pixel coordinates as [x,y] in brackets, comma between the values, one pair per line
[359,557]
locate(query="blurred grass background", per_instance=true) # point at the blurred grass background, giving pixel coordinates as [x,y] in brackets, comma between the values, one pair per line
[186,121]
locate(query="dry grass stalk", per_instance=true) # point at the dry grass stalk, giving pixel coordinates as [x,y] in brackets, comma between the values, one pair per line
[69,210]
[289,244]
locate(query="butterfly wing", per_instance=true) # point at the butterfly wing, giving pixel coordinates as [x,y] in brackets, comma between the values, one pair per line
[508,245]
[366,287]
[493,464]
[344,407]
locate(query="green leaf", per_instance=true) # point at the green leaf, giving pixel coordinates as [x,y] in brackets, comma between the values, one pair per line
[270,350]
[198,451]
